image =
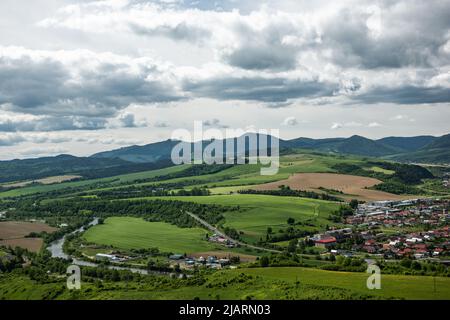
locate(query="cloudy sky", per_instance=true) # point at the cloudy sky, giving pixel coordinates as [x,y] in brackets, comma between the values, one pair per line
[80,77]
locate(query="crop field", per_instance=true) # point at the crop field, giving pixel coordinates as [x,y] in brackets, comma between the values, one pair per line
[135,233]
[262,211]
[241,175]
[48,180]
[352,186]
[125,178]
[12,233]
[237,176]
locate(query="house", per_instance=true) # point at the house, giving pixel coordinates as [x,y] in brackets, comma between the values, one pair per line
[325,242]
[176,257]
[106,257]
[224,262]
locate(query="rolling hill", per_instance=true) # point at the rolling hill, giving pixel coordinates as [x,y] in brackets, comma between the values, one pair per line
[407,144]
[437,151]
[17,170]
[425,149]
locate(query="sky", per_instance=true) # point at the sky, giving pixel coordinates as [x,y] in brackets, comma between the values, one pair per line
[80,77]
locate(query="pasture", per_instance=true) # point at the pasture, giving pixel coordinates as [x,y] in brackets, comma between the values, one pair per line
[258,212]
[125,178]
[396,286]
[135,233]
[256,283]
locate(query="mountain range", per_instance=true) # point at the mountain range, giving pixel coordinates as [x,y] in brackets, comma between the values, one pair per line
[417,149]
[421,149]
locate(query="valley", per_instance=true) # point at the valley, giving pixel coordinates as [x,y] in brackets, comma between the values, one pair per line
[269,231]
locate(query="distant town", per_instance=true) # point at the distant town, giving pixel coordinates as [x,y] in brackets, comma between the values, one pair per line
[393,230]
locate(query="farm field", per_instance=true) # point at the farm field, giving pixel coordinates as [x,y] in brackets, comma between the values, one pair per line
[236,176]
[254,219]
[352,186]
[125,178]
[135,233]
[48,180]
[12,233]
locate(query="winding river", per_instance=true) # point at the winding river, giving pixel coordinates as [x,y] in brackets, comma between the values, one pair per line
[56,249]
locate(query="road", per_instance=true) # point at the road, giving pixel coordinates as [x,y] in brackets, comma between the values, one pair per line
[220,233]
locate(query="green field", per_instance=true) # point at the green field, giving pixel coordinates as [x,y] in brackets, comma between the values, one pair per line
[125,178]
[135,233]
[255,283]
[241,175]
[398,286]
[262,211]
[381,170]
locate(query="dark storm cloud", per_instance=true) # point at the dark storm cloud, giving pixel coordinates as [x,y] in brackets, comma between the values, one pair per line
[264,49]
[52,124]
[259,89]
[410,33]
[52,86]
[10,140]
[406,95]
[254,57]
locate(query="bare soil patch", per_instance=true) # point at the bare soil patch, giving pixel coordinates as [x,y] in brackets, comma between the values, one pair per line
[48,180]
[351,186]
[12,233]
[31,244]
[19,229]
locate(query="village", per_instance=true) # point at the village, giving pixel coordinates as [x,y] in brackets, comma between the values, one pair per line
[177,260]
[183,261]
[416,229]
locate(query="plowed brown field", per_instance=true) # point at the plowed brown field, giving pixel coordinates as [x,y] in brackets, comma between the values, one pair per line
[351,186]
[12,233]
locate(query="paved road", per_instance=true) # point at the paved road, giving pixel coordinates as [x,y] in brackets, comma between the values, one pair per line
[220,233]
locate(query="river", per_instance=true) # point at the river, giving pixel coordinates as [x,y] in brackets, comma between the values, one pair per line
[56,249]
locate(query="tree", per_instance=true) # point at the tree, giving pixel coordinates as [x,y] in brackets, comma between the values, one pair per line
[353,204]
[269,230]
[291,221]
[292,247]
[264,261]
[416,265]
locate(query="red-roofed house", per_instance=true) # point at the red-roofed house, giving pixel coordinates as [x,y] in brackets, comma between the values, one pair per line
[325,242]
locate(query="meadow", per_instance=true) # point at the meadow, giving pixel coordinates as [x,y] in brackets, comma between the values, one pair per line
[258,212]
[397,286]
[255,283]
[135,233]
[125,178]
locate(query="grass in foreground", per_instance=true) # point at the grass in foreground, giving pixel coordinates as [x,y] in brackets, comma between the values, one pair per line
[398,286]
[257,284]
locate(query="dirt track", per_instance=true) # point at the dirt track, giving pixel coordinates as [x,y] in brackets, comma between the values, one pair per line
[352,186]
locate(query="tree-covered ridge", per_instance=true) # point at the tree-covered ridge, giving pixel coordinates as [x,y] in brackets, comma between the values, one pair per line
[286,191]
[152,210]
[403,173]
